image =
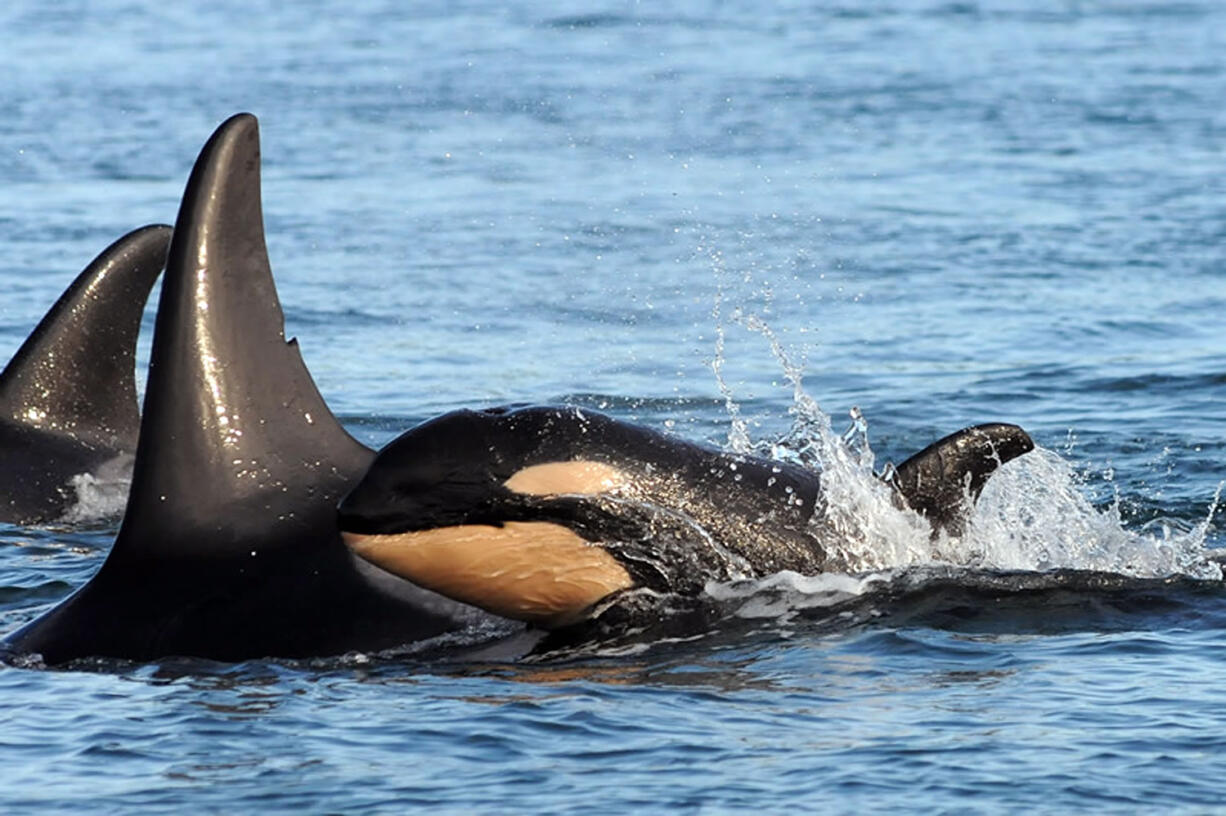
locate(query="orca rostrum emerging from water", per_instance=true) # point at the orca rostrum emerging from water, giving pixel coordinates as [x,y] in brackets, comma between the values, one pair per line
[68,402]
[229,547]
[543,513]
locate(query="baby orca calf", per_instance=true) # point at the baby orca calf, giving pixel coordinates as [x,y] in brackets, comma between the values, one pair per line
[541,513]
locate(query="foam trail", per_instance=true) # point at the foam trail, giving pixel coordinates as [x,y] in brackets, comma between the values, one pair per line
[780,595]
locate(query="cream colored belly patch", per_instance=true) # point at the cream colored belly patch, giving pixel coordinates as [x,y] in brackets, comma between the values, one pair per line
[529,570]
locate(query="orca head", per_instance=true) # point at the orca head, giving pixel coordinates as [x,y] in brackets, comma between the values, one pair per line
[229,547]
[68,396]
[482,507]
[446,471]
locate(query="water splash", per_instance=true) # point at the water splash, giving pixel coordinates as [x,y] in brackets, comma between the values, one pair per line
[738,428]
[782,595]
[1033,516]
[100,495]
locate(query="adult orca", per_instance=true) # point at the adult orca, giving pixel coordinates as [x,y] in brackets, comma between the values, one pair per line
[542,513]
[68,397]
[229,547]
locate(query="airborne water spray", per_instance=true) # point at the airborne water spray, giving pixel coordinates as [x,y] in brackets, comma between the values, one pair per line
[1033,515]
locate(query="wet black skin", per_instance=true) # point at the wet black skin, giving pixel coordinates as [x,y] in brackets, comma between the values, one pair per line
[945,478]
[68,397]
[229,547]
[761,514]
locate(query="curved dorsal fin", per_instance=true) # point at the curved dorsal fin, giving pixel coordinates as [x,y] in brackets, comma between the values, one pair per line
[230,548]
[236,446]
[74,373]
[938,481]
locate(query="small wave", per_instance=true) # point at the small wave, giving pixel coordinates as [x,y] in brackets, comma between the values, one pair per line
[779,595]
[1006,600]
[595,20]
[1034,515]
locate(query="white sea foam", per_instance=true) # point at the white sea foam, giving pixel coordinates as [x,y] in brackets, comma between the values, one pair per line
[102,494]
[1033,515]
[779,595]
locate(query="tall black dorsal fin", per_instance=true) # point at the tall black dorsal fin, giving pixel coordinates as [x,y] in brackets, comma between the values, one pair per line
[937,481]
[74,373]
[230,548]
[235,439]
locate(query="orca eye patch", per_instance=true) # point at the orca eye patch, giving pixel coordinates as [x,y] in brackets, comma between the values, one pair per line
[577,477]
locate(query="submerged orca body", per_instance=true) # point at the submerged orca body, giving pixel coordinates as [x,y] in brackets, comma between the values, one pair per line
[229,547]
[68,397]
[541,513]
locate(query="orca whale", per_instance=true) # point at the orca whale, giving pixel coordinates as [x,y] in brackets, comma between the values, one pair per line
[543,513]
[68,396]
[229,547]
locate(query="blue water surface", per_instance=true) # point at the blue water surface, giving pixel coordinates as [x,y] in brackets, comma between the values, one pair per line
[942,213]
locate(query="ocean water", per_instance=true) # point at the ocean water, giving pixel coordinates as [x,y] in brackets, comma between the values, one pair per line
[739,223]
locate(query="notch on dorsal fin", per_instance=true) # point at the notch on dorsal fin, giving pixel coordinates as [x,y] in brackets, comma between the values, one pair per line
[235,439]
[74,374]
[941,481]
